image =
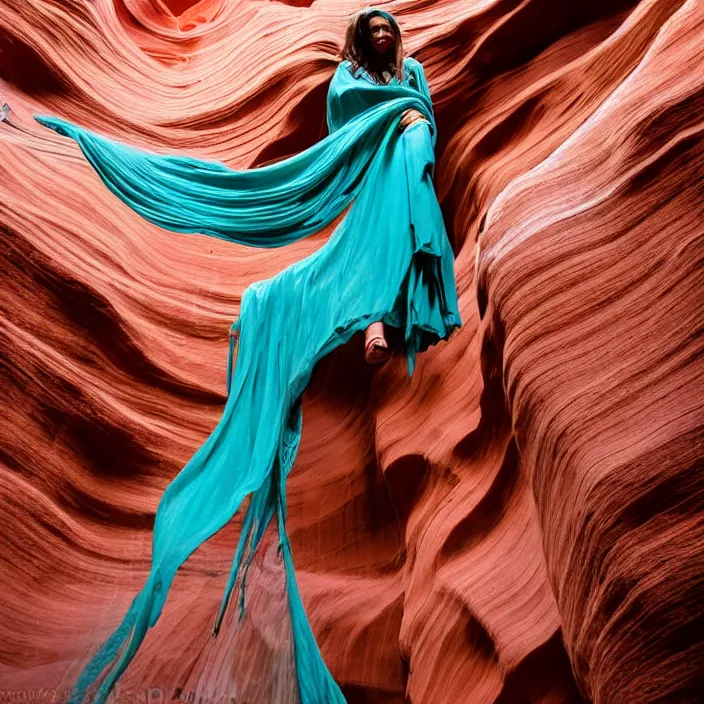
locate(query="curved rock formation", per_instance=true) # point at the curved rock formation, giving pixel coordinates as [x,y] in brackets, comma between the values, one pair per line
[522,521]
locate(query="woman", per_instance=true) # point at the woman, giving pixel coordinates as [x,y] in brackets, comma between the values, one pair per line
[373,44]
[379,160]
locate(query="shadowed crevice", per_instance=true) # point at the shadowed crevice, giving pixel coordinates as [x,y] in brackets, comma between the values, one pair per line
[488,513]
[527,683]
[86,316]
[406,478]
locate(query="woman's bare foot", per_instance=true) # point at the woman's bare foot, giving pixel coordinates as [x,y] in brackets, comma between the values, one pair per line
[376,349]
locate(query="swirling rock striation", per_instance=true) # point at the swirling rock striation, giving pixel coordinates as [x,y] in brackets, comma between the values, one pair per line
[522,521]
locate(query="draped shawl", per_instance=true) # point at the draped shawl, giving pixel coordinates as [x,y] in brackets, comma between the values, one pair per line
[388,259]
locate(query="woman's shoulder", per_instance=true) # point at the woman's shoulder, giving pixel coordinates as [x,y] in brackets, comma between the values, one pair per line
[407,61]
[344,67]
[412,71]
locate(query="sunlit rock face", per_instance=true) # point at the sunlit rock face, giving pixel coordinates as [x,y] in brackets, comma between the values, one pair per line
[520,522]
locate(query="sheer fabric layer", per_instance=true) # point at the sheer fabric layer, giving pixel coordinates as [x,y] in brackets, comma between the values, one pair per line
[389,259]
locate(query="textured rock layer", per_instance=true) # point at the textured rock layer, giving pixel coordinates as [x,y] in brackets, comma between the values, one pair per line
[522,521]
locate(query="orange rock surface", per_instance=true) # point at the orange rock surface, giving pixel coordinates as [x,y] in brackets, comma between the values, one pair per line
[519,523]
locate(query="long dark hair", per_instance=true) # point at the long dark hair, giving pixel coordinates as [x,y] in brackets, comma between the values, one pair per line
[358,47]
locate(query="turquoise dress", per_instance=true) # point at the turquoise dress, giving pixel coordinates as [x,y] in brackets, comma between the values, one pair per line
[388,259]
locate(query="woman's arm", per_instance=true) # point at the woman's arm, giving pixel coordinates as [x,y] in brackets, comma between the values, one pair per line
[423,86]
[349,96]
[332,105]
[420,83]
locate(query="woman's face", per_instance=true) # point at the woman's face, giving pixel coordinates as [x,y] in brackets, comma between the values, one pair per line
[381,34]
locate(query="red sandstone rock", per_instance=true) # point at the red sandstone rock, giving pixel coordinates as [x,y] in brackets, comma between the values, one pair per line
[521,519]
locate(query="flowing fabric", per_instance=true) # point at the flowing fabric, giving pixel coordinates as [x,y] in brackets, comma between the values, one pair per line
[394,228]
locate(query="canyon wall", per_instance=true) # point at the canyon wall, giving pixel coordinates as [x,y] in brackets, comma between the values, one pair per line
[521,522]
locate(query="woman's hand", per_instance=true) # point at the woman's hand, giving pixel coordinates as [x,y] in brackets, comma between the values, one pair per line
[410,116]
